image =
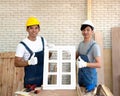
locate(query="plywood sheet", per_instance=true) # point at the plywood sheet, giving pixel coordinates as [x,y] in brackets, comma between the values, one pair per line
[58,93]
[116,60]
[99,40]
[11,78]
[50,93]
[108,68]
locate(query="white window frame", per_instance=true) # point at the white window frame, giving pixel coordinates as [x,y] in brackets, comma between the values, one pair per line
[59,85]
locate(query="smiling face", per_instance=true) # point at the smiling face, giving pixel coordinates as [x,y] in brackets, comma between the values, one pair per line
[33,32]
[87,33]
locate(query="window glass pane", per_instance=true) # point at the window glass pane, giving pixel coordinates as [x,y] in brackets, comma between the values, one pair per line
[52,67]
[66,79]
[52,79]
[66,55]
[66,67]
[54,55]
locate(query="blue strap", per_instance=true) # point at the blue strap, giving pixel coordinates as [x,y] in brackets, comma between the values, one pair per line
[90,48]
[42,42]
[30,51]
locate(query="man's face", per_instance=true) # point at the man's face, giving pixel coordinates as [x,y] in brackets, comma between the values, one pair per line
[33,31]
[87,32]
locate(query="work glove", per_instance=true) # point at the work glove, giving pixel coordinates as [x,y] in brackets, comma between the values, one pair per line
[33,60]
[81,63]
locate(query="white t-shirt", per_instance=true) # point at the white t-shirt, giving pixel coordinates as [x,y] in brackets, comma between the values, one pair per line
[35,46]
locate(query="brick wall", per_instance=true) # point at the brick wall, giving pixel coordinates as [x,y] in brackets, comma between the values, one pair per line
[105,15]
[60,21]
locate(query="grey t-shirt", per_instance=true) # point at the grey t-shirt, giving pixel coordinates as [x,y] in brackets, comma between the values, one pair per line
[94,52]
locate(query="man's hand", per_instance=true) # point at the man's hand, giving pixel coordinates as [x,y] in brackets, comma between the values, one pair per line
[81,63]
[33,60]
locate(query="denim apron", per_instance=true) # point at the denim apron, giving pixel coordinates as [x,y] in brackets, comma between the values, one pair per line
[87,77]
[34,73]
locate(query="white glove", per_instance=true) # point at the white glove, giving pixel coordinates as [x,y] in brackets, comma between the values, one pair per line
[81,63]
[33,60]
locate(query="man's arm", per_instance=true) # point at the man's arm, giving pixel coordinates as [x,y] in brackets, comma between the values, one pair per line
[77,55]
[20,62]
[96,64]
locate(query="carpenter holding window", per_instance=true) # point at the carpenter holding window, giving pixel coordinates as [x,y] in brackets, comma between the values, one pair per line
[89,58]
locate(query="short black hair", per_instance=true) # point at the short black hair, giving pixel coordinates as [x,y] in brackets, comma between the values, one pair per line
[32,25]
[84,26]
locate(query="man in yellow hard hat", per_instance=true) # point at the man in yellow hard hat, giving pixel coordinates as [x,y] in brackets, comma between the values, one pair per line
[30,54]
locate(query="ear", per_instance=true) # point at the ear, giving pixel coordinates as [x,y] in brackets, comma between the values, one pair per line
[39,28]
[26,29]
[93,35]
[92,31]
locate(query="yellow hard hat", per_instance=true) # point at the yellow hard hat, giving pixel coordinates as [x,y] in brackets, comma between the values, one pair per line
[32,21]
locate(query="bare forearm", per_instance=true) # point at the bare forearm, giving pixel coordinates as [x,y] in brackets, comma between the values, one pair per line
[94,65]
[19,62]
[77,54]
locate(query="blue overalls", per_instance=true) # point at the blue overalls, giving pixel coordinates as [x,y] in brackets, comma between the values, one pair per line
[87,77]
[34,73]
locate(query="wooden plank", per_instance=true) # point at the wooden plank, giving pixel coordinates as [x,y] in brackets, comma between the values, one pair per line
[4,79]
[18,79]
[108,67]
[50,93]
[1,75]
[89,9]
[99,39]
[102,90]
[7,55]
[10,76]
[106,91]
[10,73]
[79,93]
[116,60]
[57,93]
[7,77]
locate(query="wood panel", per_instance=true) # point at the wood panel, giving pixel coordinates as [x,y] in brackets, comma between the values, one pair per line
[116,60]
[89,3]
[99,39]
[58,93]
[11,78]
[108,68]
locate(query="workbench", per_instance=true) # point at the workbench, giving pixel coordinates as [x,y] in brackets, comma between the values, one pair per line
[53,93]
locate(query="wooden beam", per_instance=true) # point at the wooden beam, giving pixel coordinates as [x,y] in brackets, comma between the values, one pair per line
[89,9]
[102,90]
[99,39]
